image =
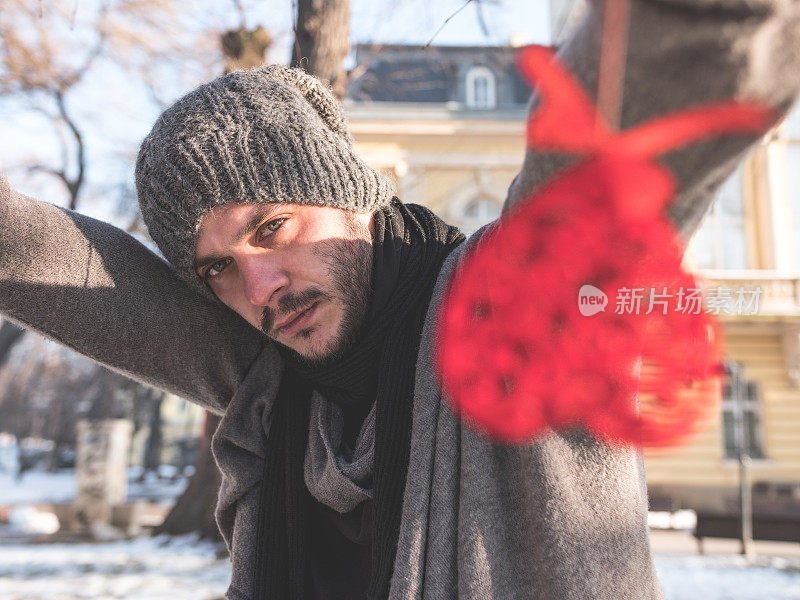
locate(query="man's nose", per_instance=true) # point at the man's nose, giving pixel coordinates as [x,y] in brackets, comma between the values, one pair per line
[263,277]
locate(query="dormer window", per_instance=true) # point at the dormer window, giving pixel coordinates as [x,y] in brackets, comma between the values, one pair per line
[481,90]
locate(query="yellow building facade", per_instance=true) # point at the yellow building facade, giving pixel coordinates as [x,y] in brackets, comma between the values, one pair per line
[750,239]
[456,164]
[459,161]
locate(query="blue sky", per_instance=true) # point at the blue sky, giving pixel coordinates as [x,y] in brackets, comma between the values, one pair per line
[116,113]
[416,21]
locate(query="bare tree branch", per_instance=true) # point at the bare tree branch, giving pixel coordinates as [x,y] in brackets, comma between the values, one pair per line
[237,4]
[446,21]
[481,18]
[363,66]
[50,49]
[479,4]
[58,173]
[73,16]
[74,185]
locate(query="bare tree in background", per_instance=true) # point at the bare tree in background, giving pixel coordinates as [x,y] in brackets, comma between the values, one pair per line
[50,48]
[41,64]
[45,389]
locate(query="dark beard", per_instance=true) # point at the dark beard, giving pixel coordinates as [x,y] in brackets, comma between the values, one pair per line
[349,265]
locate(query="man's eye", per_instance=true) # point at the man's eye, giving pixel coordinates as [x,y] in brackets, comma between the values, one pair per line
[270,227]
[217,268]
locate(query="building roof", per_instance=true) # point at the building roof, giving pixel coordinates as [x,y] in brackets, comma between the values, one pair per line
[437,74]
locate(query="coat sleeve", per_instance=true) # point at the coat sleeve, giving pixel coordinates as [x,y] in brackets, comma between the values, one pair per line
[95,289]
[681,53]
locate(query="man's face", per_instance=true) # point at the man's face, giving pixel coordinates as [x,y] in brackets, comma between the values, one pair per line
[300,274]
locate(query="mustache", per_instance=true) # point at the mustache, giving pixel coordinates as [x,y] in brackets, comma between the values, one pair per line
[289,303]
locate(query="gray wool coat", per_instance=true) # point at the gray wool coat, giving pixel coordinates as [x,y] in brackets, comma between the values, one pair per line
[562,517]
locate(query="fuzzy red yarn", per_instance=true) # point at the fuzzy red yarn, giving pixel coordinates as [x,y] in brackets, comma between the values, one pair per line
[515,354]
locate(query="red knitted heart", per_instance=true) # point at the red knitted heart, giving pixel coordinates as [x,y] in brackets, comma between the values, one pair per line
[515,353]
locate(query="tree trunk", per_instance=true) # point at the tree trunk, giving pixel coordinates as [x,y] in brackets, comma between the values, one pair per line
[321,40]
[104,404]
[10,334]
[155,438]
[194,510]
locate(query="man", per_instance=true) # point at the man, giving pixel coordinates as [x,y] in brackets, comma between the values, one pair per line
[344,474]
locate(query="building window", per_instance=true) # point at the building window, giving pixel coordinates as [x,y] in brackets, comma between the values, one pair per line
[481,90]
[720,241]
[790,128]
[741,395]
[790,133]
[476,213]
[793,187]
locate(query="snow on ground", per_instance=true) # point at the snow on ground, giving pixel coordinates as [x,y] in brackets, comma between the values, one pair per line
[185,569]
[27,519]
[37,486]
[164,487]
[144,568]
[682,519]
[727,577]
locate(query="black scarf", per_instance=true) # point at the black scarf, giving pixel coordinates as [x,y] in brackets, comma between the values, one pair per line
[410,244]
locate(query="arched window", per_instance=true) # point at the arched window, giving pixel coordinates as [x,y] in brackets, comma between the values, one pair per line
[481,89]
[476,213]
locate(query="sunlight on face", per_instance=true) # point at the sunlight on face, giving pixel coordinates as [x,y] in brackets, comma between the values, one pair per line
[300,274]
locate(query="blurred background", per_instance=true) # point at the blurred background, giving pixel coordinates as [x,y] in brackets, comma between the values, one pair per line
[107,487]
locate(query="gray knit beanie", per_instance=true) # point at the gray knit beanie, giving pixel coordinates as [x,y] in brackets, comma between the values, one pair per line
[272,134]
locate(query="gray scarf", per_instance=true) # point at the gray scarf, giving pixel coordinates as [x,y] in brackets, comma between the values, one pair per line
[335,477]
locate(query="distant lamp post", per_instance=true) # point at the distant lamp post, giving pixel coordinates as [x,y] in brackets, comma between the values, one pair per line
[736,383]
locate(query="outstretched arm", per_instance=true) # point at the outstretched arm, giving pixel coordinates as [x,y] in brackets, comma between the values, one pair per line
[682,53]
[95,289]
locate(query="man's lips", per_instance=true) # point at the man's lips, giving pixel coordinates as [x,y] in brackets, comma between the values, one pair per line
[296,321]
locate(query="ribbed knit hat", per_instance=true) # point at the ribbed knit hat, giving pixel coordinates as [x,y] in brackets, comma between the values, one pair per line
[272,134]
